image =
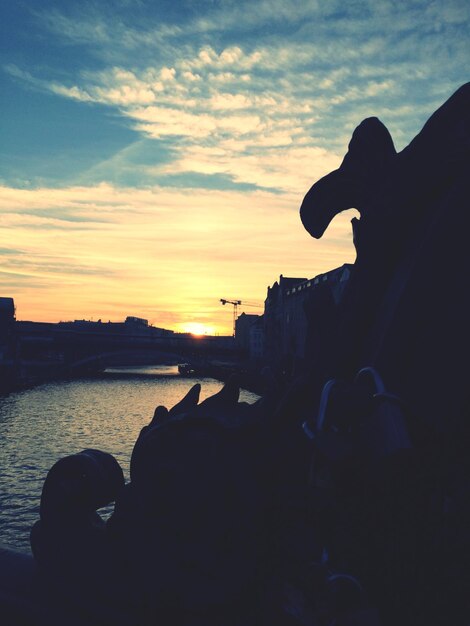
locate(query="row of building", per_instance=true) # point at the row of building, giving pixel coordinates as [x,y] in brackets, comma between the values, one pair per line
[283,332]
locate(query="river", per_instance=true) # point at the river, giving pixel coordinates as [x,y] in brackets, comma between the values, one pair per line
[40,425]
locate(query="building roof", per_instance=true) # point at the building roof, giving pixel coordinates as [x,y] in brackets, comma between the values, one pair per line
[7,304]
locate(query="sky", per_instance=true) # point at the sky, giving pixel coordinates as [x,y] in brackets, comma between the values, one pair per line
[154,154]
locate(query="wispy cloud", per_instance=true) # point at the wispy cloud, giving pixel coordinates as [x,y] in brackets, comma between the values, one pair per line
[8,251]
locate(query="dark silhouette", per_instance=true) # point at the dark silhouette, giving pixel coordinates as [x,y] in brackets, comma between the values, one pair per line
[70,533]
[405,297]
[187,524]
[405,313]
[335,502]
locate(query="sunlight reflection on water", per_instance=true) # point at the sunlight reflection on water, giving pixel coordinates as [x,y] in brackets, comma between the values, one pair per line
[40,425]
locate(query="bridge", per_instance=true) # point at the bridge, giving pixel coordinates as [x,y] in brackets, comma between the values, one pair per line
[92,346]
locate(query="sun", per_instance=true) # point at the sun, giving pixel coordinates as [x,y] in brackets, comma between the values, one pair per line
[197,329]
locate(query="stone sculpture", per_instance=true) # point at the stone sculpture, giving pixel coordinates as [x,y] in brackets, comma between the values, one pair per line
[406,313]
[409,240]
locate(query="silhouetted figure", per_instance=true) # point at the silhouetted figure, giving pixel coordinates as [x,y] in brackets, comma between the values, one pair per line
[188,522]
[70,542]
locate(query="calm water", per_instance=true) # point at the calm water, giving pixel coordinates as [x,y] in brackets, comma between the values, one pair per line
[39,426]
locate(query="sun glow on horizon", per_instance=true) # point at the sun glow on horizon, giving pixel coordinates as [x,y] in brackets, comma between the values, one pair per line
[197,329]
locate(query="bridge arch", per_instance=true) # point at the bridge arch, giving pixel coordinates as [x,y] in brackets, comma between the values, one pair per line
[107,359]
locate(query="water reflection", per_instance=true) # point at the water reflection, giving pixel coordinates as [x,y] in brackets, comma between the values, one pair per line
[40,425]
[139,370]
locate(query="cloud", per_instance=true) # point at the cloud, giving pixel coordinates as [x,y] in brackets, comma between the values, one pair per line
[268,131]
[293,170]
[240,41]
[8,251]
[298,83]
[224,128]
[75,93]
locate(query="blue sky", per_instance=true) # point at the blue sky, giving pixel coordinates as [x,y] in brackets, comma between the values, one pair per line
[154,154]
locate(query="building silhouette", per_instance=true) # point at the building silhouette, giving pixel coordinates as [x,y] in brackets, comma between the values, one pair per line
[291,321]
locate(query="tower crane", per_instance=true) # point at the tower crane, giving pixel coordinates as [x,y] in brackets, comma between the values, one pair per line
[236,304]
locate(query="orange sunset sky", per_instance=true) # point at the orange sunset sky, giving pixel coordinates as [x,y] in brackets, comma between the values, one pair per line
[155,154]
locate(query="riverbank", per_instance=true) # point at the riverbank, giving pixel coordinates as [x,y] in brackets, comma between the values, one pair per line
[31,374]
[21,374]
[249,375]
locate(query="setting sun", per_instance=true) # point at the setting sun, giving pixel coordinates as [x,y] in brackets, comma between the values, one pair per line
[197,329]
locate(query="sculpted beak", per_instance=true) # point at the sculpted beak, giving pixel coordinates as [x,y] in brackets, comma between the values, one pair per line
[328,197]
[360,176]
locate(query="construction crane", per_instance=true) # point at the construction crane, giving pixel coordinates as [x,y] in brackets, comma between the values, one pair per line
[236,304]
